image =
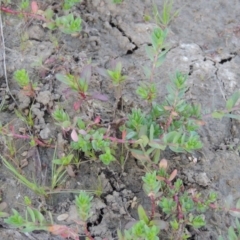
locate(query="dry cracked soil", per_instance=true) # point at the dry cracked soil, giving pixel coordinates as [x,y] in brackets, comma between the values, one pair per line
[204,43]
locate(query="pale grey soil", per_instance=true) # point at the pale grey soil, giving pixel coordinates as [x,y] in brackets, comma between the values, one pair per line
[205,44]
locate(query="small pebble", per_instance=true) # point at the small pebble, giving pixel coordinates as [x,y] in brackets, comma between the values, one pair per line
[62,217]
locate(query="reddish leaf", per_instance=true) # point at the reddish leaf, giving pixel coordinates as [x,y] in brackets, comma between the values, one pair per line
[124,134]
[77,105]
[97,120]
[173,175]
[83,132]
[163,163]
[63,231]
[70,171]
[34,6]
[160,178]
[74,135]
[100,97]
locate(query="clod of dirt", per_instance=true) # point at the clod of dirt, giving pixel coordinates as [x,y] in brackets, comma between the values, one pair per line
[45,132]
[38,113]
[202,179]
[35,32]
[73,214]
[24,101]
[45,98]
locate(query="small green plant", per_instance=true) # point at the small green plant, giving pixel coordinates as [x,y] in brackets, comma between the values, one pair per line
[144,229]
[62,119]
[83,204]
[35,220]
[117,1]
[27,201]
[80,85]
[59,170]
[77,84]
[164,18]
[69,24]
[22,78]
[91,142]
[180,207]
[68,4]
[24,5]
[21,178]
[27,119]
[116,75]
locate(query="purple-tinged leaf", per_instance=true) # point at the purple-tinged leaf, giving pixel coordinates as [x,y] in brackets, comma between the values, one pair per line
[86,73]
[100,97]
[82,132]
[74,135]
[77,105]
[62,78]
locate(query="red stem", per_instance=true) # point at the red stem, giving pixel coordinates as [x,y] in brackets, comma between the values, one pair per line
[153,207]
[10,11]
[87,233]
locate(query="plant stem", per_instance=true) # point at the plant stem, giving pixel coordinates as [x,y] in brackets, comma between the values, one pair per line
[154,64]
[14,12]
[87,233]
[153,207]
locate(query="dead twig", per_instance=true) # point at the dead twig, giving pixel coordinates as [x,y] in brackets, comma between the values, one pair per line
[4,60]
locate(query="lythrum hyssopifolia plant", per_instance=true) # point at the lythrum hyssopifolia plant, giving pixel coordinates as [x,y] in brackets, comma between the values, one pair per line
[22,78]
[181,207]
[35,220]
[80,84]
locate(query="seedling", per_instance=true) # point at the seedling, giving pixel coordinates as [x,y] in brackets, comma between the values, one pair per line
[178,204]
[22,78]
[59,170]
[68,4]
[62,119]
[27,119]
[83,204]
[68,24]
[92,142]
[117,78]
[24,5]
[35,220]
[164,18]
[143,229]
[80,85]
[117,1]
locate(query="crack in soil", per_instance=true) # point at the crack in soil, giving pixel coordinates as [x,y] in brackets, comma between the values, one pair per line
[113,25]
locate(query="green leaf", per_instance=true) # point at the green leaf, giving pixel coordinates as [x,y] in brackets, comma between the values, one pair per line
[231,234]
[142,214]
[233,116]
[156,144]
[150,52]
[156,156]
[147,71]
[151,133]
[145,140]
[161,58]
[149,151]
[131,135]
[232,100]
[218,114]
[31,213]
[138,154]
